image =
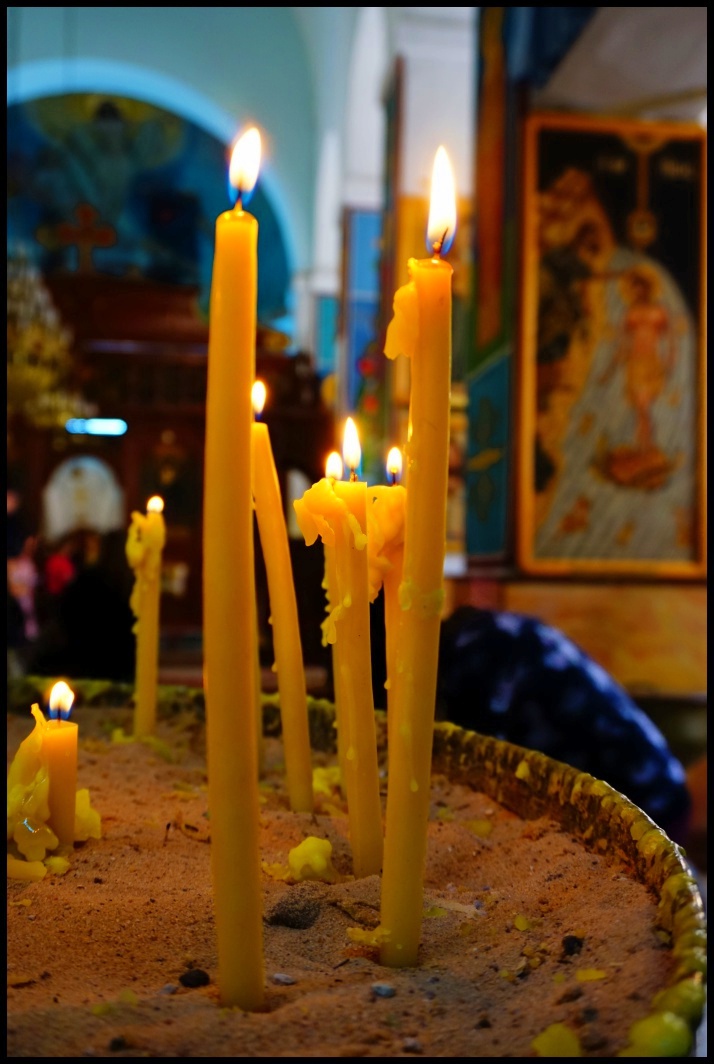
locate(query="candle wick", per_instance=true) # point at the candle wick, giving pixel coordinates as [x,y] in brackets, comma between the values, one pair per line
[353,475]
[438,244]
[239,201]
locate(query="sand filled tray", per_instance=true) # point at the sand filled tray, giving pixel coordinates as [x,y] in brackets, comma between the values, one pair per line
[556,915]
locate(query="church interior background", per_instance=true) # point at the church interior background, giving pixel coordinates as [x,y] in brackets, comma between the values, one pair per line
[119,123]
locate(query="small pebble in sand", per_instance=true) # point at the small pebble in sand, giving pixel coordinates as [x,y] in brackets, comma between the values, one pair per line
[169,988]
[384,990]
[282,979]
[412,1045]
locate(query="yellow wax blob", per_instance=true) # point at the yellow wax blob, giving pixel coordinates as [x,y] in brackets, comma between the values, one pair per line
[483,828]
[29,871]
[144,543]
[660,1035]
[403,329]
[34,838]
[557,1041]
[318,506]
[87,821]
[590,975]
[312,859]
[57,865]
[326,780]
[684,999]
[368,936]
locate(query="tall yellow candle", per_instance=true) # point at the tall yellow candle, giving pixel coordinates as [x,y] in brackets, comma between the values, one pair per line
[338,512]
[59,751]
[229,594]
[144,547]
[287,644]
[420,329]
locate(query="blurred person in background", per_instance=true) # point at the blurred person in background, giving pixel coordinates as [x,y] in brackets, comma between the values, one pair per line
[60,567]
[22,581]
[90,635]
[513,677]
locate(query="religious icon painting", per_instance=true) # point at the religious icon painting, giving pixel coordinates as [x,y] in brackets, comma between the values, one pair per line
[611,351]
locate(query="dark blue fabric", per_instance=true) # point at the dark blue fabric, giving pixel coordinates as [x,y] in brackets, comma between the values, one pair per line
[516,678]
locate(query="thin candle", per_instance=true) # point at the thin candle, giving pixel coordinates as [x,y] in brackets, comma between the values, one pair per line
[59,751]
[144,547]
[334,470]
[287,644]
[229,594]
[355,666]
[386,553]
[337,512]
[420,329]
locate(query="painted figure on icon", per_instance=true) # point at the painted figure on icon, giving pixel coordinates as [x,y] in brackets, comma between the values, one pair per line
[616,388]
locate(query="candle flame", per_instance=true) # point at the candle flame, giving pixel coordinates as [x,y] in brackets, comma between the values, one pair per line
[60,702]
[394,464]
[258,395]
[155,505]
[442,209]
[333,466]
[351,450]
[245,163]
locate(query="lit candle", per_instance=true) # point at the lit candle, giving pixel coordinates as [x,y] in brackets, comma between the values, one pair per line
[337,511]
[333,472]
[229,594]
[35,801]
[284,614]
[355,664]
[144,546]
[59,751]
[420,329]
[386,551]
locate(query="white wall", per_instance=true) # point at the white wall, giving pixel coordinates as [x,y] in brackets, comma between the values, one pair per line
[438,47]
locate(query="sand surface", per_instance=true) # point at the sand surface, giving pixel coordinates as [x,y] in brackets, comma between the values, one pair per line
[96,957]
